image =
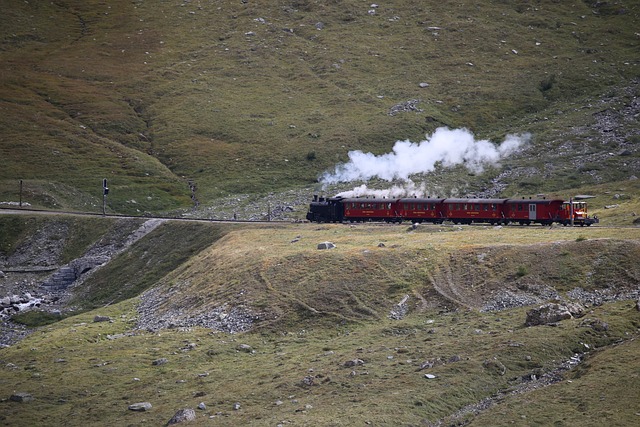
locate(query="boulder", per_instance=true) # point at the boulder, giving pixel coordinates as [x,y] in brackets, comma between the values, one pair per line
[21,397]
[182,416]
[547,313]
[245,348]
[326,245]
[140,407]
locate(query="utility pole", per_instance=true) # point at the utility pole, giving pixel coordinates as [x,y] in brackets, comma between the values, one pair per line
[20,193]
[105,191]
[571,209]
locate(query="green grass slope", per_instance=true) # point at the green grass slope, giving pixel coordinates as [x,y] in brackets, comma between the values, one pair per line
[252,97]
[324,349]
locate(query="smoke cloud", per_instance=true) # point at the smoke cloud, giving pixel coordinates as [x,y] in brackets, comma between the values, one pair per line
[407,188]
[445,146]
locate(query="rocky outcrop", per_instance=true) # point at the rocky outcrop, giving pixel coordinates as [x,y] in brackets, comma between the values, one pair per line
[552,313]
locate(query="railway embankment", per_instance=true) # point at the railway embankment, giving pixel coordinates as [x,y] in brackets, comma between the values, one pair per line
[263,276]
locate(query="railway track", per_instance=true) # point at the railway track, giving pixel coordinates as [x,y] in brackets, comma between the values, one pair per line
[24,211]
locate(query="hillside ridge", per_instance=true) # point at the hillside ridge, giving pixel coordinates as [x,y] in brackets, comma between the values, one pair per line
[154,98]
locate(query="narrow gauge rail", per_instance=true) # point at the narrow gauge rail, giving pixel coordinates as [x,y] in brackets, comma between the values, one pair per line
[459,211]
[22,210]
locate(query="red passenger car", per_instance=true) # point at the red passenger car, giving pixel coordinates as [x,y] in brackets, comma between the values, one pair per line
[421,210]
[466,211]
[365,209]
[527,211]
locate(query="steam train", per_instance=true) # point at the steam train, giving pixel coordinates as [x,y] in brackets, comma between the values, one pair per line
[459,211]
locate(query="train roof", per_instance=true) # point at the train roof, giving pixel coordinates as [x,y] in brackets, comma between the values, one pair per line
[546,201]
[422,199]
[496,201]
[368,199]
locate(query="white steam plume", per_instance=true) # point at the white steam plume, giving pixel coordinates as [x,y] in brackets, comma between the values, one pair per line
[450,147]
[408,188]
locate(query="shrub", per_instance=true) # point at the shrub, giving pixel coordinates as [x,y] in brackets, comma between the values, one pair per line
[522,271]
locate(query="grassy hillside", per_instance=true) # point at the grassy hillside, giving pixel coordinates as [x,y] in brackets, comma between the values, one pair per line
[262,96]
[422,302]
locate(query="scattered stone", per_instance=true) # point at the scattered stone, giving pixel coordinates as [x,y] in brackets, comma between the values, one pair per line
[430,376]
[595,324]
[236,406]
[494,366]
[352,363]
[160,362]
[405,107]
[189,346]
[430,363]
[99,318]
[400,310]
[183,415]
[22,397]
[140,407]
[575,309]
[202,406]
[245,348]
[326,245]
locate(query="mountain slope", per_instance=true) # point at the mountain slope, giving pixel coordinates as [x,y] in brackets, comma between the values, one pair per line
[251,97]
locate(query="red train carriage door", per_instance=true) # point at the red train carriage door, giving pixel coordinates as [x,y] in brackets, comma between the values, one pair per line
[532,211]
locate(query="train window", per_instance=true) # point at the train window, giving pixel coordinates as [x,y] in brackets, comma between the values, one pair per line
[519,207]
[493,206]
[477,207]
[433,206]
[485,206]
[388,206]
[465,207]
